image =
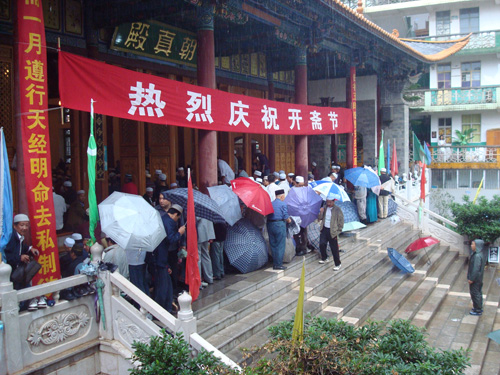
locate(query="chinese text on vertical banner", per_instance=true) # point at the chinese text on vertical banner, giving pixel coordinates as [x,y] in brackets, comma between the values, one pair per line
[35,136]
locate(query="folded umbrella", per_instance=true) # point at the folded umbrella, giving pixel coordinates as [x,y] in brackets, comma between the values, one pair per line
[245,246]
[131,222]
[253,195]
[362,177]
[204,206]
[303,202]
[400,261]
[331,188]
[227,201]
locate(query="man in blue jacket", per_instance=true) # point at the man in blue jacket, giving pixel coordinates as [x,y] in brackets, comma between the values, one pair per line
[163,283]
[475,273]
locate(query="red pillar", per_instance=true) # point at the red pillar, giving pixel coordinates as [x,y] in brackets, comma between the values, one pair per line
[351,152]
[301,148]
[207,139]
[271,139]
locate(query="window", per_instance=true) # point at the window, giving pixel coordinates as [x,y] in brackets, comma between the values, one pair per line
[444,76]
[443,23]
[474,122]
[444,129]
[469,20]
[471,74]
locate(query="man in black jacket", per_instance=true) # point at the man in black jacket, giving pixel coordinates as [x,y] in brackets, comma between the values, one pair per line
[17,251]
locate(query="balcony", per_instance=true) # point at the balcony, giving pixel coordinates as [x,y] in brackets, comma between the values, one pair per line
[459,99]
[465,157]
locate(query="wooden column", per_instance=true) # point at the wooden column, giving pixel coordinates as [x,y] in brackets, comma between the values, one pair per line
[351,152]
[301,152]
[207,147]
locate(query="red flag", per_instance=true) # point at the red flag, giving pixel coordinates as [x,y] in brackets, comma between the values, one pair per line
[422,184]
[394,160]
[193,278]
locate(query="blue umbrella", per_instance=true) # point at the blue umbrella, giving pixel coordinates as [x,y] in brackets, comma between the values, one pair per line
[305,203]
[400,261]
[245,247]
[331,189]
[362,177]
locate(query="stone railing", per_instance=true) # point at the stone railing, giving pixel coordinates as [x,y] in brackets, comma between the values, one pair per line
[465,154]
[373,3]
[33,340]
[430,223]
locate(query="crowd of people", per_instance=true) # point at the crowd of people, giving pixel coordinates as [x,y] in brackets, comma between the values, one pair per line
[160,273]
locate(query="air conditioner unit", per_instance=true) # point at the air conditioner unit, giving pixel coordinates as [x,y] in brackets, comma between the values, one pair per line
[488,95]
[387,114]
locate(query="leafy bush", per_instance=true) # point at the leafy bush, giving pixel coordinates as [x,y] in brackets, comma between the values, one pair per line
[333,347]
[480,220]
[168,355]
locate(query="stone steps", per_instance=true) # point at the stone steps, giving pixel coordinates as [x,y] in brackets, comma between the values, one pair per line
[232,335]
[284,306]
[251,300]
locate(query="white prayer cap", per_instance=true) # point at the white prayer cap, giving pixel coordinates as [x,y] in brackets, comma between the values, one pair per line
[149,189]
[383,170]
[67,183]
[336,166]
[21,217]
[158,171]
[299,179]
[282,176]
[276,174]
[69,242]
[148,175]
[80,192]
[281,171]
[291,174]
[257,173]
[259,180]
[266,178]
[173,184]
[314,164]
[77,236]
[235,152]
[180,168]
[163,177]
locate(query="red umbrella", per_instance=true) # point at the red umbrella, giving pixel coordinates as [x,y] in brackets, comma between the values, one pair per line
[253,195]
[421,243]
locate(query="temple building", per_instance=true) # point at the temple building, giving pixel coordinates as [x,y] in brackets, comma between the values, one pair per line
[316,53]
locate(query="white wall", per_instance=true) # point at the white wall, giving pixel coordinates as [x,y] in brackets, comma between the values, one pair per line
[489,120]
[366,89]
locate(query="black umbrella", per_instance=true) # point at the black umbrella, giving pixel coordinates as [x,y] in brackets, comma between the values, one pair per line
[245,246]
[204,206]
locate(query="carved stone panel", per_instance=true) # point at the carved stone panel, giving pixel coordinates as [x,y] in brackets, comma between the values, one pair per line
[58,329]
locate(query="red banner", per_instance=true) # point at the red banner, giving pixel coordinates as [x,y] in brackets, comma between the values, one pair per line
[35,135]
[354,123]
[136,96]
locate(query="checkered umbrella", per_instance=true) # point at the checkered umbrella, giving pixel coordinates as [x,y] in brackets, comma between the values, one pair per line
[245,247]
[392,207]
[204,206]
[349,210]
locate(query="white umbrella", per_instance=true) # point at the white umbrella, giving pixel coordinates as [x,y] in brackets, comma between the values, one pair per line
[131,222]
[227,201]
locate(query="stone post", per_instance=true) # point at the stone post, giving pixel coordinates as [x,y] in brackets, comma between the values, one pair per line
[11,359]
[96,251]
[185,315]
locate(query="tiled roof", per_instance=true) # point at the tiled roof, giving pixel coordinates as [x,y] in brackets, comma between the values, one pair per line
[423,50]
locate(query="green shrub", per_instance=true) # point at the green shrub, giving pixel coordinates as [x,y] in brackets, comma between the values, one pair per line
[335,348]
[168,355]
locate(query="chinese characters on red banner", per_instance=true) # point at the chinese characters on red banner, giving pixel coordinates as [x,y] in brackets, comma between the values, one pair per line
[142,97]
[35,134]
[354,122]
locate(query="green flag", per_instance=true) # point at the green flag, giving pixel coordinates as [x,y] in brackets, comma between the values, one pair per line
[91,162]
[298,324]
[381,157]
[418,150]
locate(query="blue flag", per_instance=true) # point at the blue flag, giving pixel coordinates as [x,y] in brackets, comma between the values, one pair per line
[7,211]
[428,158]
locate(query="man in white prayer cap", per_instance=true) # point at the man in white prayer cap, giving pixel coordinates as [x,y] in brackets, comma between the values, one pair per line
[148,196]
[283,184]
